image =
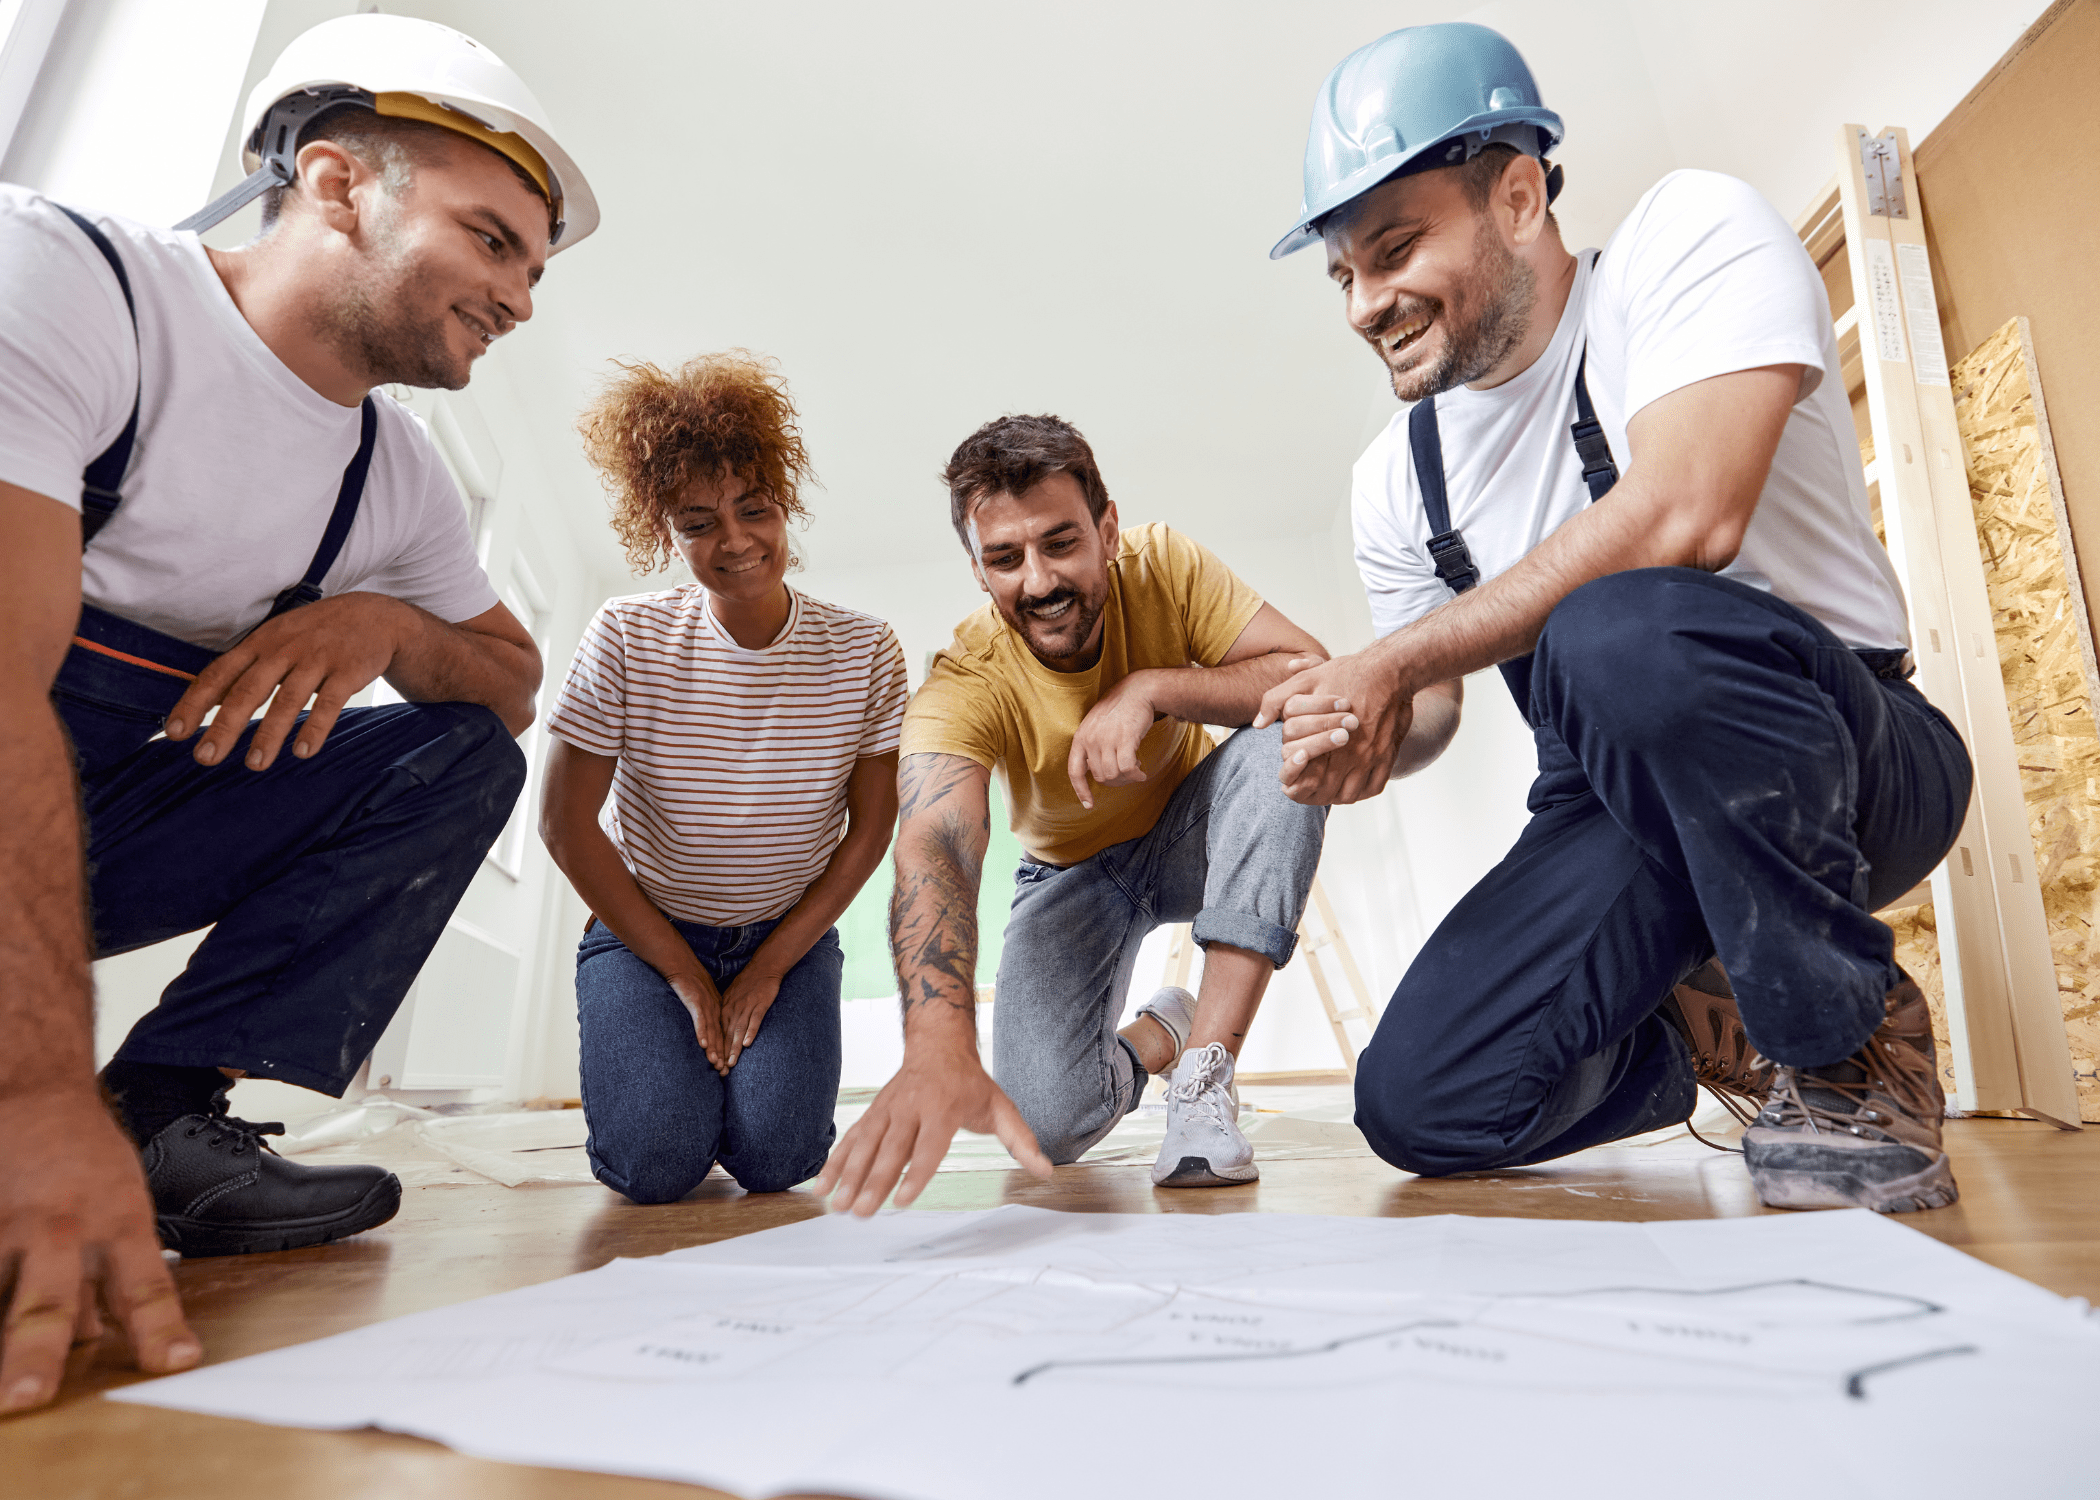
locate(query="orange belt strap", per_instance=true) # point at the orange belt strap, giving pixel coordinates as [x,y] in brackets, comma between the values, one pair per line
[136,661]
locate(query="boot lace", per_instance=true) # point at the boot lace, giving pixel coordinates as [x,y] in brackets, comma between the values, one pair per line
[1892,1074]
[244,1135]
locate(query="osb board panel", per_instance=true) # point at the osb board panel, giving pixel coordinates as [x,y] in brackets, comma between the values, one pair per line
[2045,651]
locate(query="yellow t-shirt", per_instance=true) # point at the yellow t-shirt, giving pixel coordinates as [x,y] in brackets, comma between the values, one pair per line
[1170,603]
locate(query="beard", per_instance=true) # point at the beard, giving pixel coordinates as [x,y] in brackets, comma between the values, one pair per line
[376,327]
[1055,643]
[1499,290]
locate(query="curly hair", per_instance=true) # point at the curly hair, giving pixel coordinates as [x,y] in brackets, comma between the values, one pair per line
[651,432]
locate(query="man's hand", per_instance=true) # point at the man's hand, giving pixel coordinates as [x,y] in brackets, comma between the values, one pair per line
[1105,747]
[703,1002]
[744,1006]
[327,651]
[76,1236]
[910,1125]
[1343,722]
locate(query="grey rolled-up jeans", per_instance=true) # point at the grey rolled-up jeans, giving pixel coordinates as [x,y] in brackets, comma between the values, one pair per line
[1231,853]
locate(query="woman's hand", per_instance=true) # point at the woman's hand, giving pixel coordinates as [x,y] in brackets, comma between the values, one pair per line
[750,996]
[703,1002]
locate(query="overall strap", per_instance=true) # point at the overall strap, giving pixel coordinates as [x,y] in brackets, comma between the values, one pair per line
[308,589]
[1447,549]
[99,498]
[1599,471]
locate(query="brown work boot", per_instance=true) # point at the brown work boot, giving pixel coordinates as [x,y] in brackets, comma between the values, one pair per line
[1702,1010]
[1863,1133]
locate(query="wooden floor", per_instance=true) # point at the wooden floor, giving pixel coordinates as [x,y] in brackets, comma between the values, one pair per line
[2030,1204]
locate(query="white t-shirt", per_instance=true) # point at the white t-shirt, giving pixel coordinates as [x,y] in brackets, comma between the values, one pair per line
[238,460]
[730,793]
[1703,279]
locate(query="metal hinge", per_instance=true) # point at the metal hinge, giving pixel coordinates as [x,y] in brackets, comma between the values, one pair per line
[1884,172]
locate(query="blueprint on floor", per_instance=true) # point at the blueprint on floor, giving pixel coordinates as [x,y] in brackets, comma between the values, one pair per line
[1019,1352]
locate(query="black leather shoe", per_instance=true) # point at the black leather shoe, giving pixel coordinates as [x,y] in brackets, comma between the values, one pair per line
[219,1190]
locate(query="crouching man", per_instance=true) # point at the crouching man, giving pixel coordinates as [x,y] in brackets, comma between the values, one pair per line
[1086,683]
[205,508]
[1629,479]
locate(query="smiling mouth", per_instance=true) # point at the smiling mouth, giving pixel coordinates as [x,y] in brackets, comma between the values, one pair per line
[479,329]
[1050,614]
[1394,341]
[739,567]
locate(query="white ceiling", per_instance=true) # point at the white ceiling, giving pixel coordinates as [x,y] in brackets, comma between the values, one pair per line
[936,216]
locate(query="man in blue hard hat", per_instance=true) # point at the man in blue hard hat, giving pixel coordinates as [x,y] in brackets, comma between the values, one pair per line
[1629,478]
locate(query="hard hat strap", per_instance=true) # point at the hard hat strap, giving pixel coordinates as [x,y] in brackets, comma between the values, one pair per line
[276,141]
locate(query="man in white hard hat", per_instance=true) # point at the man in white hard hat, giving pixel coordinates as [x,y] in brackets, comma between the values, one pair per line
[204,506]
[1630,479]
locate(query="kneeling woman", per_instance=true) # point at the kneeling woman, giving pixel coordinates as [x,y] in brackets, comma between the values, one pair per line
[740,726]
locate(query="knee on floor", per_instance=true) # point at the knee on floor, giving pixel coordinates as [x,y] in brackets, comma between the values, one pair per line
[1411,1129]
[770,1179]
[652,1177]
[784,1164]
[1063,1137]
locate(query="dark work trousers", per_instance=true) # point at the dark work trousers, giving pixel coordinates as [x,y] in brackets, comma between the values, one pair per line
[1718,774]
[326,881]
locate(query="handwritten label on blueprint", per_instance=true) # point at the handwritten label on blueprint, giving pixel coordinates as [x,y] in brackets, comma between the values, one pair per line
[1882,306]
[1929,357]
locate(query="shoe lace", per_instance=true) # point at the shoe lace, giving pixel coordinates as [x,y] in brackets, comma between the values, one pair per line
[1723,1061]
[1200,1087]
[1890,1073]
[243,1133]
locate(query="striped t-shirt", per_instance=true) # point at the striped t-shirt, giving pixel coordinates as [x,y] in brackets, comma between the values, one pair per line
[730,793]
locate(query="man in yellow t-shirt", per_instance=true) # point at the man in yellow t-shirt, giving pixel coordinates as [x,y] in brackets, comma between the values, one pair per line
[1085,683]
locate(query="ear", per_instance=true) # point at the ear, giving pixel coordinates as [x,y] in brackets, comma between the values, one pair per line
[1110,532]
[1520,201]
[333,183]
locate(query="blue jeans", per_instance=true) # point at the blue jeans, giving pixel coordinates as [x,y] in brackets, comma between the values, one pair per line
[659,1115]
[1718,775]
[1231,853]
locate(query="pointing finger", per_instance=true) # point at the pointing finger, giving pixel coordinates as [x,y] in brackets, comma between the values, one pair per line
[1075,772]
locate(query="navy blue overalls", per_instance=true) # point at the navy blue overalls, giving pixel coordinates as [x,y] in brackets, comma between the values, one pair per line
[1717,774]
[326,881]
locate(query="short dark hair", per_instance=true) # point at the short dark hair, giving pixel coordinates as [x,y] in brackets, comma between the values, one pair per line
[392,148]
[1013,454]
[1479,174]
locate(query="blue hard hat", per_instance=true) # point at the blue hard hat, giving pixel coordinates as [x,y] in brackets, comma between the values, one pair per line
[1388,105]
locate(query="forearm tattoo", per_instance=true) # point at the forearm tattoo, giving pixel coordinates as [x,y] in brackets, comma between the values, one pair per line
[933,909]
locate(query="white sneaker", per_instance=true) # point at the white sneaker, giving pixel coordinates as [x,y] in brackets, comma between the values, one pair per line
[1174,1008]
[1204,1147]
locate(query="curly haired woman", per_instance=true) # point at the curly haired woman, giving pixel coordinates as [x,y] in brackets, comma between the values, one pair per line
[739,726]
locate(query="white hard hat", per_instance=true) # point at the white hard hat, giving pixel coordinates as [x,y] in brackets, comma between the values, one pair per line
[405,68]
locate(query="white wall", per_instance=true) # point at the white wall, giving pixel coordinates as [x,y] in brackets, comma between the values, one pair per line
[132,104]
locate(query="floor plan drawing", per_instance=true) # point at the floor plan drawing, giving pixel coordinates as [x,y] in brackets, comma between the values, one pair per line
[1012,1352]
